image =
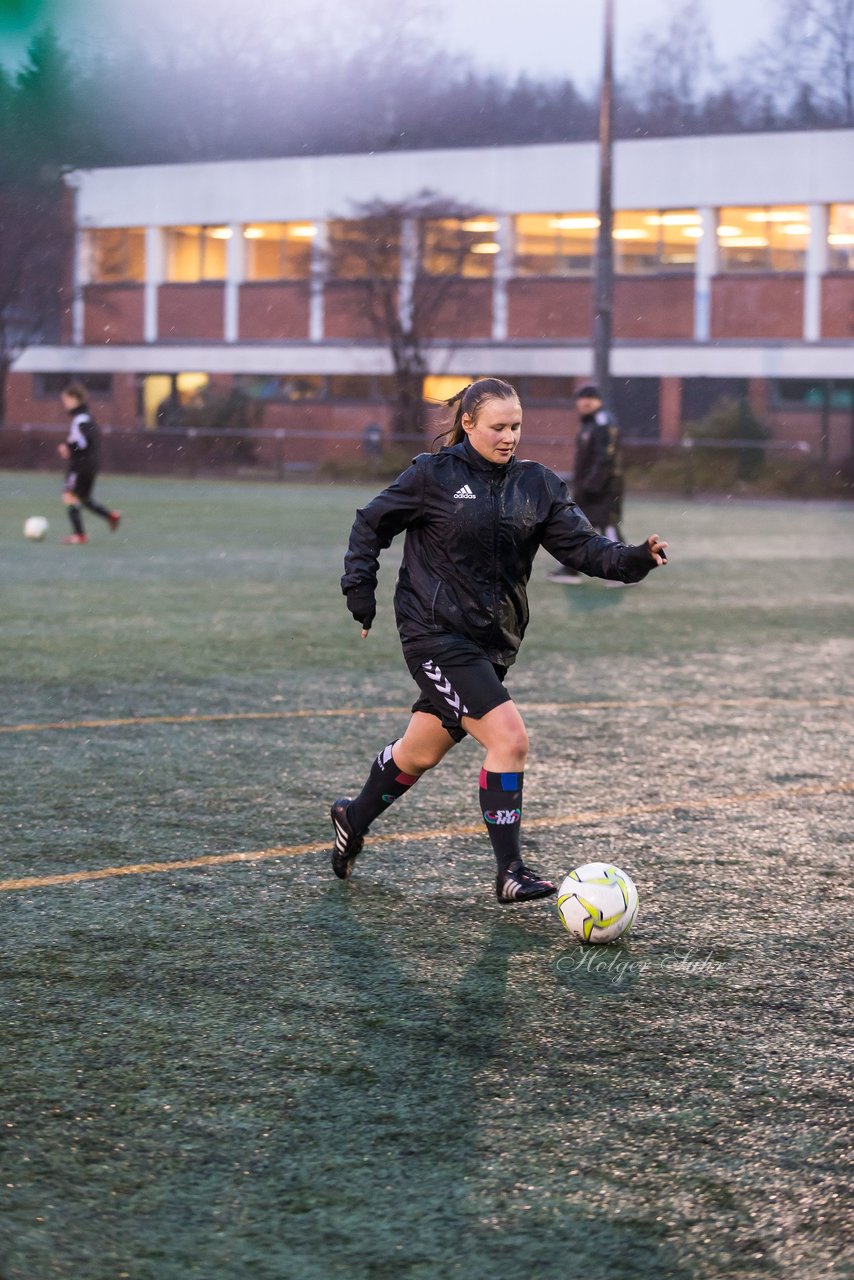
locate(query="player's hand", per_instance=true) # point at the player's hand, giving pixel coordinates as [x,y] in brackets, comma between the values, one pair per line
[657,548]
[362,605]
[365,634]
[63,450]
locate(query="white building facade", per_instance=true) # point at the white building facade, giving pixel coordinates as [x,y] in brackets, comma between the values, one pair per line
[734,261]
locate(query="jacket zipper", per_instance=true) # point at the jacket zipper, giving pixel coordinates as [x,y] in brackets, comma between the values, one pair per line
[494,497]
[433,602]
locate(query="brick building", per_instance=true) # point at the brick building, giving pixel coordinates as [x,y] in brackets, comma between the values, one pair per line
[734,261]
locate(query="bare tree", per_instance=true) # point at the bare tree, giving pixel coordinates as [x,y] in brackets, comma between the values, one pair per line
[404,303]
[34,247]
[809,62]
[674,70]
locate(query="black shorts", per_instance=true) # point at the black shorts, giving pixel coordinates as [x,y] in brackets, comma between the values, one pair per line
[459,680]
[80,482]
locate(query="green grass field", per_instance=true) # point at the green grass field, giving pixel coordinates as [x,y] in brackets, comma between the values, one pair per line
[220,1062]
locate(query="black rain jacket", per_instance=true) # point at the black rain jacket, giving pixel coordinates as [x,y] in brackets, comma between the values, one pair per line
[473,528]
[83,440]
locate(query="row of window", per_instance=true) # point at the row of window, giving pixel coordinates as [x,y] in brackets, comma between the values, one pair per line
[786,393]
[544,245]
[306,388]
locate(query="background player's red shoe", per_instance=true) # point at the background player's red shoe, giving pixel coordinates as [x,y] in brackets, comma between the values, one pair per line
[114,520]
[75,540]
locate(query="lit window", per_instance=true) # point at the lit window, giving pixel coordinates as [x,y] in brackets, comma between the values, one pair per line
[117,255]
[655,240]
[364,249]
[440,387]
[763,239]
[278,250]
[840,237]
[564,244]
[167,396]
[459,246]
[555,244]
[196,253]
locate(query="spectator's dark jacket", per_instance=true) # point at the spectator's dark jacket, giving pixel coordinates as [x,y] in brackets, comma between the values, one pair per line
[598,462]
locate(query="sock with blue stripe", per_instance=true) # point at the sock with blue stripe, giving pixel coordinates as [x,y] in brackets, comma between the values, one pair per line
[501,806]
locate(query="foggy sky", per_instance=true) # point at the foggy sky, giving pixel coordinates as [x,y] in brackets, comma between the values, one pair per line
[551,36]
[545,37]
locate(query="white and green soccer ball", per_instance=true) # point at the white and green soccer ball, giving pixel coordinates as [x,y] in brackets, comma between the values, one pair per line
[597,902]
[35,528]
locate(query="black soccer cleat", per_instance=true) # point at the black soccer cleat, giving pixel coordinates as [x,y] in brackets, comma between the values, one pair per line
[520,884]
[348,843]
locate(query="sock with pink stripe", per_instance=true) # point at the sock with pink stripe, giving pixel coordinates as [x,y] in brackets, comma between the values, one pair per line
[386,783]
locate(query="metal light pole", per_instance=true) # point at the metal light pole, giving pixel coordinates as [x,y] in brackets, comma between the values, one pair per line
[603,289]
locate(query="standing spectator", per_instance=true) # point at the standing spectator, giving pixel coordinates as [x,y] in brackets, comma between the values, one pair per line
[597,486]
[372,440]
[81,450]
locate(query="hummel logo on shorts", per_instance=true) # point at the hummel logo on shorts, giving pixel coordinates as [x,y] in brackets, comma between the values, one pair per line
[465,492]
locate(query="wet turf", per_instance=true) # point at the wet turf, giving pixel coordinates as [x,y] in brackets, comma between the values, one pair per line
[248,1069]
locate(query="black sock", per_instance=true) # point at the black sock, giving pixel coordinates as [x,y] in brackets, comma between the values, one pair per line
[501,806]
[76,519]
[386,783]
[98,509]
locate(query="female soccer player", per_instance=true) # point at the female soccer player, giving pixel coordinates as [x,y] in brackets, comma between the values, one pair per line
[474,517]
[81,451]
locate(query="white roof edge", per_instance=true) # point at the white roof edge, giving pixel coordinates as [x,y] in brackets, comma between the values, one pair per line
[649,173]
[774,139]
[679,359]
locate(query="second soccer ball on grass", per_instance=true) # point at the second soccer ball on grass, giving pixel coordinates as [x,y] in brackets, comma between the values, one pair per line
[35,528]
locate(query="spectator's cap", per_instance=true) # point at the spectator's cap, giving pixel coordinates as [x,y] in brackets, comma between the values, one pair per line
[588,391]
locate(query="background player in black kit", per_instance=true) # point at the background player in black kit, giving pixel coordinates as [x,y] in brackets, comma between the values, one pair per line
[474,518]
[597,481]
[81,450]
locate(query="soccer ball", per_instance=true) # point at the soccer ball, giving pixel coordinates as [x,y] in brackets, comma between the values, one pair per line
[597,902]
[35,528]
